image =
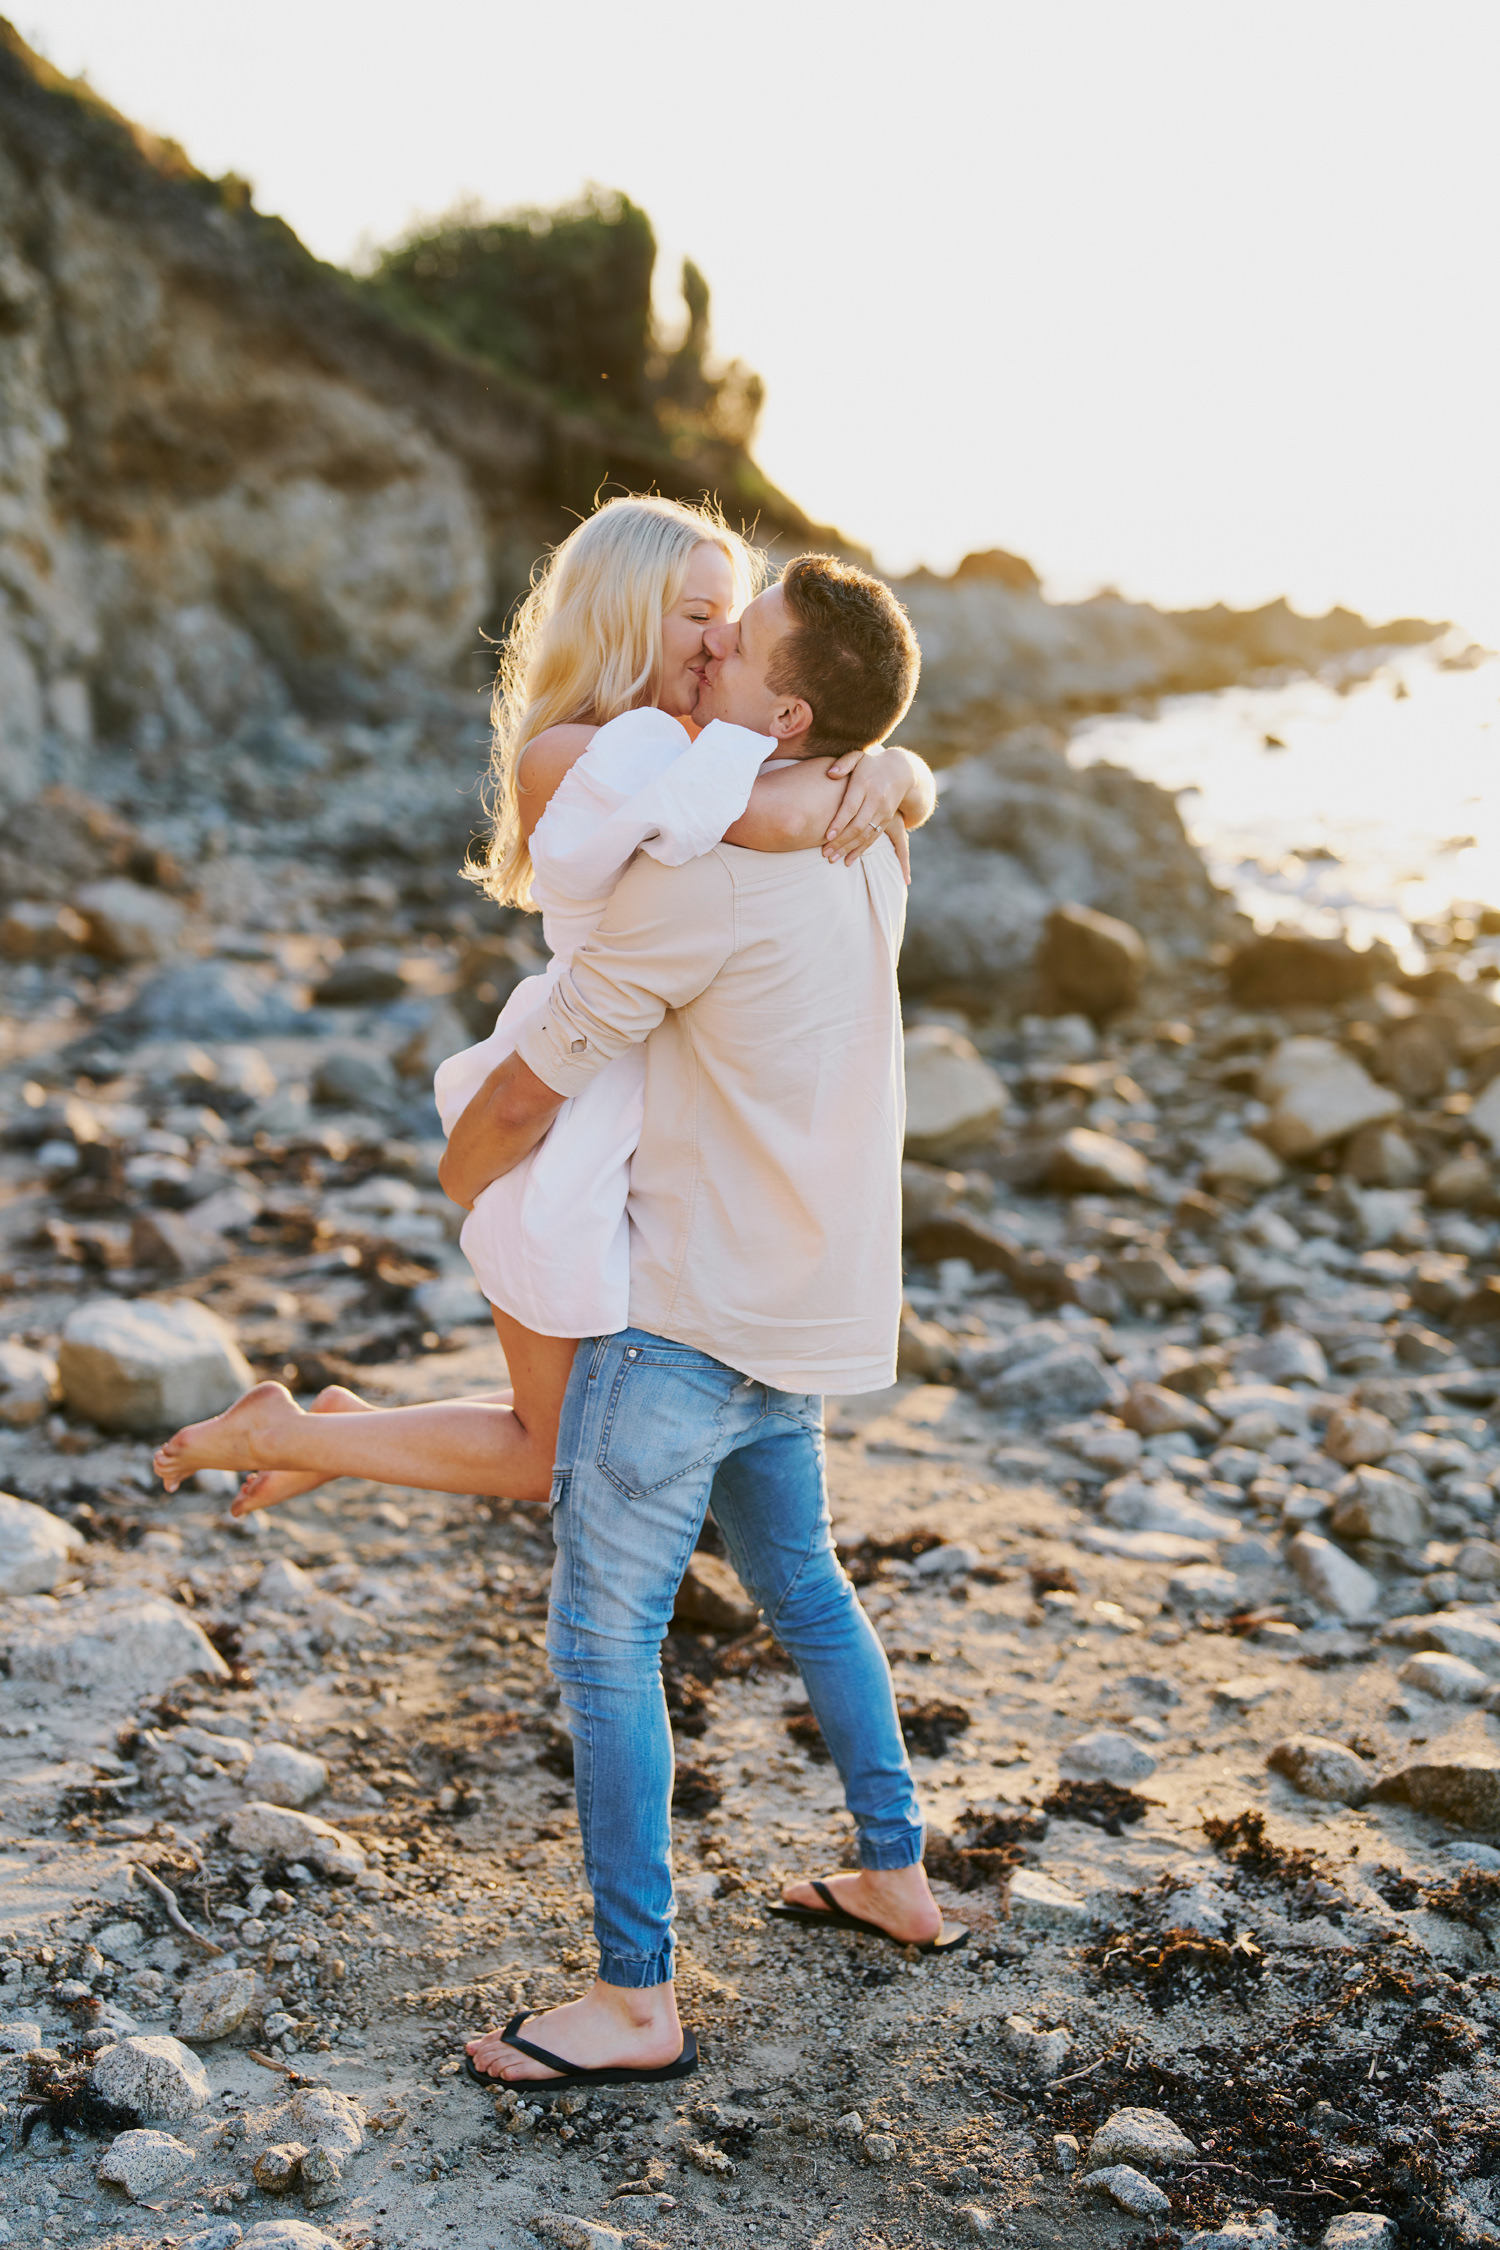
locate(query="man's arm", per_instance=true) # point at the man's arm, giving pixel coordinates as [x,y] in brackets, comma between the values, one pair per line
[813,803]
[664,936]
[507,1117]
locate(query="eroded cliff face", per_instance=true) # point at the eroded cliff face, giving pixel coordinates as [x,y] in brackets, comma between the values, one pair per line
[229,484]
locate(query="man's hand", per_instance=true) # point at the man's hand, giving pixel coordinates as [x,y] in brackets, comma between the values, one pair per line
[507,1117]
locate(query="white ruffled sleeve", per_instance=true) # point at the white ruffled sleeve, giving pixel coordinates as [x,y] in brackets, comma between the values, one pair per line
[642,786]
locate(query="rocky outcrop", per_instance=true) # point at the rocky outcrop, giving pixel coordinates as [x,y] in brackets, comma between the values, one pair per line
[1019,831]
[232,484]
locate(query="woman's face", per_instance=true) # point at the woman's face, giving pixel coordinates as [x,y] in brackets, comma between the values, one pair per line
[707,599]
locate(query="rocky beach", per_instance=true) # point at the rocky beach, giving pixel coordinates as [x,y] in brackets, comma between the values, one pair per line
[1178,1525]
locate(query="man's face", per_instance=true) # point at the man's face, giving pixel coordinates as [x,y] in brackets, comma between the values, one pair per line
[736,688]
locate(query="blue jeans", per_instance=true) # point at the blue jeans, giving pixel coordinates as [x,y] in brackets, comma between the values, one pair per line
[651,1430]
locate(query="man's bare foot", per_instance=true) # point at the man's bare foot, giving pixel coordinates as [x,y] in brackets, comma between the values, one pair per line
[250,1435]
[894,1898]
[267,1488]
[611,2028]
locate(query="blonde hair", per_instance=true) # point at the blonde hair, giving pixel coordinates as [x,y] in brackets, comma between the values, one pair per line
[587,644]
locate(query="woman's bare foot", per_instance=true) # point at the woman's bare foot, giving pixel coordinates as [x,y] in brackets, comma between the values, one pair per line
[267,1488]
[245,1437]
[894,1898]
[611,2028]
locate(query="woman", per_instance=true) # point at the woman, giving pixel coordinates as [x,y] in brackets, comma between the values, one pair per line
[593,759]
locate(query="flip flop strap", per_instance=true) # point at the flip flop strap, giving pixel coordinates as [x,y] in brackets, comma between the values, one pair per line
[826,1895]
[537,2054]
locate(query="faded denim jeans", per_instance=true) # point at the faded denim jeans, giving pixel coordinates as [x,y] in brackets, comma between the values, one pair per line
[651,1431]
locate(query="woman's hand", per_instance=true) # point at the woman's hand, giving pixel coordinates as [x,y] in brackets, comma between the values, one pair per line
[878,786]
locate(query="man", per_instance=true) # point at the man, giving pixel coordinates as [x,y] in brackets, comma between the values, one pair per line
[765,1273]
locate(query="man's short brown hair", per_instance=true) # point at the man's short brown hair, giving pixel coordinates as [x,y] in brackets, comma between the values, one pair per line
[851,654]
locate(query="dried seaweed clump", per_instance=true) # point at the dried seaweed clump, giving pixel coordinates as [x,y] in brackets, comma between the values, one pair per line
[1102,1804]
[1179,1965]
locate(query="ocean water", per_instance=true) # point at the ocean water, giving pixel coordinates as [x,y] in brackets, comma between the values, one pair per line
[1364,800]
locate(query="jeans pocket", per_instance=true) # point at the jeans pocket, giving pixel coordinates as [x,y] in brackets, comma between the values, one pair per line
[664,1421]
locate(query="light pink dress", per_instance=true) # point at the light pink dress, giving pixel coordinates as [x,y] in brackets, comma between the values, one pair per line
[549,1243]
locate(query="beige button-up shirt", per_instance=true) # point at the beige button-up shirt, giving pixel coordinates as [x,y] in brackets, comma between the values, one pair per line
[765,1198]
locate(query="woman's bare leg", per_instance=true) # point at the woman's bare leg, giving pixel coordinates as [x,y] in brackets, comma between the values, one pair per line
[474,1445]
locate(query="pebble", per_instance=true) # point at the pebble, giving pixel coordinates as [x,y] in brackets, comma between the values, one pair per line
[1039,1903]
[1139,2136]
[1041,2054]
[29,1389]
[119,1644]
[1448,1679]
[1131,2189]
[1108,1756]
[148,1367]
[145,2164]
[281,1775]
[1334,1580]
[216,2003]
[1361,2230]
[1245,2233]
[278,1832]
[1322,1769]
[36,1547]
[156,2076]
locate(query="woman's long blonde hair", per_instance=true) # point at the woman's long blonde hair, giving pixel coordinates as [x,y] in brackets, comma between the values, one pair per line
[587,644]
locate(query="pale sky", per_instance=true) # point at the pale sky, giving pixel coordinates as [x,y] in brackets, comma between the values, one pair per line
[1200,298]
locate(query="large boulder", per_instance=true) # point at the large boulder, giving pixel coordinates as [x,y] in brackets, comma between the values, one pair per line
[1463,1787]
[145,1367]
[954,1098]
[35,1547]
[125,1644]
[1286,968]
[1018,831]
[1090,963]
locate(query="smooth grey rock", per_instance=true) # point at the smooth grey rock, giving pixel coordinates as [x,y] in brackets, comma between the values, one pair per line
[145,2164]
[128,922]
[145,1367]
[212,1000]
[28,1385]
[280,1775]
[275,1831]
[1204,1586]
[1146,1546]
[1319,1094]
[1256,2232]
[954,1098]
[1083,1162]
[1463,1632]
[1463,1787]
[1039,1903]
[127,1644]
[1139,2136]
[1134,1504]
[1447,1679]
[326,2119]
[1243,1163]
[35,1547]
[1131,2189]
[1068,1379]
[354,1078]
[1373,1503]
[224,2235]
[214,2004]
[155,2075]
[1090,962]
[1446,1940]
[1287,1355]
[1106,1755]
[1361,2230]
[1321,1768]
[287,2234]
[1334,1580]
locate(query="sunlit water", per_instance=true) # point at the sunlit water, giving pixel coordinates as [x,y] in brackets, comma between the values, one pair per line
[1365,800]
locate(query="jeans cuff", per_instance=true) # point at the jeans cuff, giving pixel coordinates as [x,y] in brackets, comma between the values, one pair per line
[631,1972]
[892,1851]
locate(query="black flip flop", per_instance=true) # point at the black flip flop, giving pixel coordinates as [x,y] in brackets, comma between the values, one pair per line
[570,2075]
[832,1916]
